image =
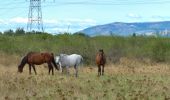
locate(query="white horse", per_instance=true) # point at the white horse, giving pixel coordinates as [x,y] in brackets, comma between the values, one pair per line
[67,61]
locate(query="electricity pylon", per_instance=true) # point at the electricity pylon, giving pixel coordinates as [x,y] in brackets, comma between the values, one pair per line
[35,16]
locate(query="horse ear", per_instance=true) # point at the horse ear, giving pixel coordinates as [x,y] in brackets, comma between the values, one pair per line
[101,50]
[42,54]
[52,54]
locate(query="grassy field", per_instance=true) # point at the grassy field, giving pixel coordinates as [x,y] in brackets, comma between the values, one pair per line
[128,80]
[138,68]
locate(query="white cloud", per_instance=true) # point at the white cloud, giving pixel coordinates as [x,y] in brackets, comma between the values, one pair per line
[51,21]
[153,18]
[132,15]
[18,20]
[1,21]
[61,25]
[51,25]
[66,29]
[70,21]
[158,17]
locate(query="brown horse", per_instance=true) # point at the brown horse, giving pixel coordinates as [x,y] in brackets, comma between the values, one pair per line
[34,58]
[100,61]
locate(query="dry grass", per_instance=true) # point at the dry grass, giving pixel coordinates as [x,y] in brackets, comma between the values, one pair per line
[129,80]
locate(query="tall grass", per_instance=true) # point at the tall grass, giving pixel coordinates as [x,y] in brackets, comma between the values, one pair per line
[120,82]
[155,49]
[128,79]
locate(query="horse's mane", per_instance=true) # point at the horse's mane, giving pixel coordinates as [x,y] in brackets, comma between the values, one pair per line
[24,61]
[29,53]
[63,55]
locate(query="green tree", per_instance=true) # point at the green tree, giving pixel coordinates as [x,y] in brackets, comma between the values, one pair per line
[20,31]
[9,32]
[81,34]
[134,35]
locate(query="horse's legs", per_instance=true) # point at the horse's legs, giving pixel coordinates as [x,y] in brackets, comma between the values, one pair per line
[103,70]
[50,68]
[34,69]
[29,68]
[61,67]
[99,70]
[76,69]
[62,70]
[67,69]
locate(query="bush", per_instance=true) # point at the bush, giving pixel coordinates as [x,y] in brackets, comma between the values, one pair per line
[156,49]
[159,51]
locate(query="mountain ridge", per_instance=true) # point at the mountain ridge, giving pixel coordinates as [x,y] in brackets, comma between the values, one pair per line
[125,29]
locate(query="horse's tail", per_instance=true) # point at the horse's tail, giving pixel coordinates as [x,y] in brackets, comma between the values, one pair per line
[82,59]
[81,62]
[53,61]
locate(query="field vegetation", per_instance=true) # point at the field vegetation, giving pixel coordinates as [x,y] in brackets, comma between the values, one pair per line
[137,67]
[155,49]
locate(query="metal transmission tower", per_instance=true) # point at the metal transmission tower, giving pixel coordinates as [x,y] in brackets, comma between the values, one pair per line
[35,16]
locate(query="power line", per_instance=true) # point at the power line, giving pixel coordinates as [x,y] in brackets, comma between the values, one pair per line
[112,3]
[107,3]
[17,14]
[8,8]
[11,3]
[102,2]
[9,12]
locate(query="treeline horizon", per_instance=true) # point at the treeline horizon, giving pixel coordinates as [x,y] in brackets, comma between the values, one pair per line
[21,31]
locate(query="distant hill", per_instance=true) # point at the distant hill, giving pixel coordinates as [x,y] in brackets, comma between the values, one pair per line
[125,29]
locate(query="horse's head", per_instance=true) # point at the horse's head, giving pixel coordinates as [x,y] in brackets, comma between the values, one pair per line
[22,64]
[101,51]
[100,57]
[57,59]
[20,68]
[58,62]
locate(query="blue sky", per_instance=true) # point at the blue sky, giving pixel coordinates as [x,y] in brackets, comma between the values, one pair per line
[80,14]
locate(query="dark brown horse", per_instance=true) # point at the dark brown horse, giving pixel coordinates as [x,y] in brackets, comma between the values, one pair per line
[34,58]
[100,61]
